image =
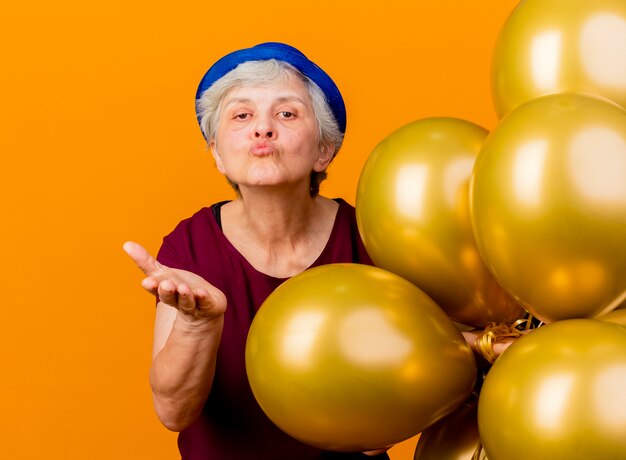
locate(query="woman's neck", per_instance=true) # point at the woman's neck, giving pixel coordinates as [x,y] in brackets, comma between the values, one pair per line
[280,234]
[271,214]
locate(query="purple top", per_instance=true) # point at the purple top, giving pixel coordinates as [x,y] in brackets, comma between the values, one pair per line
[232,426]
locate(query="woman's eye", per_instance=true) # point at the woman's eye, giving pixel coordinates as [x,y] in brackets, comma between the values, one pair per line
[286,114]
[242,116]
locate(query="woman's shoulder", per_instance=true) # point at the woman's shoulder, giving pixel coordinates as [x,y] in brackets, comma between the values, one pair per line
[200,218]
[196,233]
[345,244]
[203,219]
[343,205]
[345,210]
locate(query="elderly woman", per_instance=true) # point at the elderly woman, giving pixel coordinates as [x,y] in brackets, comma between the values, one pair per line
[273,121]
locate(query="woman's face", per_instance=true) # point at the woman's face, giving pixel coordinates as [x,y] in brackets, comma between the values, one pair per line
[267,136]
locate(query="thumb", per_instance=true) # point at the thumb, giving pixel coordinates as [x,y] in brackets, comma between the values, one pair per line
[142,257]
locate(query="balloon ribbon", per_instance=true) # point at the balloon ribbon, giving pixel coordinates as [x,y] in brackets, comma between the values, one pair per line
[494,333]
[479,453]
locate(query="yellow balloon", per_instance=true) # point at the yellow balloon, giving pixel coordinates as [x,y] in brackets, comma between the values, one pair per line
[558,393]
[412,209]
[349,357]
[554,46]
[453,438]
[548,202]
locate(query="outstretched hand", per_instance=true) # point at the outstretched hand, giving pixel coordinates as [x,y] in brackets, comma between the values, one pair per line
[194,297]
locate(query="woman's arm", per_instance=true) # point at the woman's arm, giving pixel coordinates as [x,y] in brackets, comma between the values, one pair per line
[187,333]
[183,366]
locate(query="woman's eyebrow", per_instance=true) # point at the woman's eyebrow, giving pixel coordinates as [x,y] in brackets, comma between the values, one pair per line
[281,99]
[290,99]
[238,100]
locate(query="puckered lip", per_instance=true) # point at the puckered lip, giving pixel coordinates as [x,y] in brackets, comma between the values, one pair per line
[262,148]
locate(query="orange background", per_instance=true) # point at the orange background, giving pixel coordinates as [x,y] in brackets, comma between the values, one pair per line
[100,145]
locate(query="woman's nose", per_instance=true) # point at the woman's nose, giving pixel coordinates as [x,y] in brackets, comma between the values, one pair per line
[264,128]
[261,134]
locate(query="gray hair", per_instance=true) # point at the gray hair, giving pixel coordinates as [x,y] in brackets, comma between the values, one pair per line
[265,72]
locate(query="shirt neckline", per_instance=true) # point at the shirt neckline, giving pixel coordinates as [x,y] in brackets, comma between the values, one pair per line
[331,237]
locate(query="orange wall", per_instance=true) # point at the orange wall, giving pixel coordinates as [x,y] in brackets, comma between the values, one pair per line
[99,144]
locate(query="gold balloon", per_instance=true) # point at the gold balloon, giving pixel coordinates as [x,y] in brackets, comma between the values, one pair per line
[554,46]
[548,202]
[558,393]
[349,357]
[412,209]
[453,438]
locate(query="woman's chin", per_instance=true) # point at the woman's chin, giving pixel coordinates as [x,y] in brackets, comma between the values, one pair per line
[267,178]
[274,184]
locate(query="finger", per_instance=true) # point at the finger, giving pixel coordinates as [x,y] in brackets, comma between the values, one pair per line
[203,298]
[151,285]
[141,257]
[212,301]
[500,347]
[186,300]
[167,293]
[210,298]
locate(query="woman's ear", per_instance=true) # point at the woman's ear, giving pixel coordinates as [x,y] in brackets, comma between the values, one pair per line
[327,152]
[216,156]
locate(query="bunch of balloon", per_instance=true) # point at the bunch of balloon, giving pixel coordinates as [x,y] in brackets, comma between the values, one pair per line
[412,210]
[548,210]
[349,357]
